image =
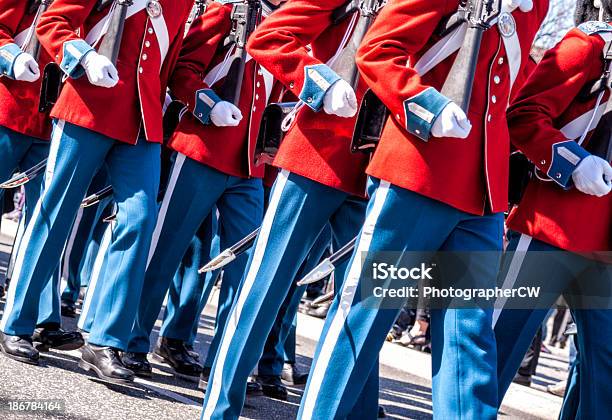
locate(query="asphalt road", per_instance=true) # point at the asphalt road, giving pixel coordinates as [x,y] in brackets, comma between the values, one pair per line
[405,389]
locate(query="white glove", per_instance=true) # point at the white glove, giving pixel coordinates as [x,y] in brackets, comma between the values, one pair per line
[26,68]
[452,122]
[100,71]
[225,114]
[340,100]
[524,5]
[593,176]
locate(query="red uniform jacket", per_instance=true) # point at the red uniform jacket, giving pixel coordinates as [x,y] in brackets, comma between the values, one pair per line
[547,112]
[19,100]
[318,145]
[149,49]
[202,66]
[469,174]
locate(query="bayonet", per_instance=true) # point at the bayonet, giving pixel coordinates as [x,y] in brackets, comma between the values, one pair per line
[25,177]
[328,265]
[97,197]
[231,253]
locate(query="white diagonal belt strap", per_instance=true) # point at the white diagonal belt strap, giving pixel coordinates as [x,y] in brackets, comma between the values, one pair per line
[441,50]
[24,36]
[163,38]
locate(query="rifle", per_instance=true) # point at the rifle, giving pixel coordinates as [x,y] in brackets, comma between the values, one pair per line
[480,16]
[344,65]
[245,18]
[32,47]
[111,43]
[198,10]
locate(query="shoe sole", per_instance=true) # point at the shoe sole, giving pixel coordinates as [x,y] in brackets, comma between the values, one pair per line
[86,366]
[65,347]
[291,383]
[275,397]
[20,358]
[194,379]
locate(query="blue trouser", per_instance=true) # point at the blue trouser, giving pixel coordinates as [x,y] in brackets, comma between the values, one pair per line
[571,399]
[299,209]
[75,157]
[556,272]
[185,294]
[23,152]
[185,206]
[76,251]
[96,276]
[463,346]
[280,345]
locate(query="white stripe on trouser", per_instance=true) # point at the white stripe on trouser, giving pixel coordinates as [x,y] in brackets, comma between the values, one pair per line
[163,211]
[58,132]
[65,269]
[16,245]
[348,295]
[95,274]
[249,281]
[512,274]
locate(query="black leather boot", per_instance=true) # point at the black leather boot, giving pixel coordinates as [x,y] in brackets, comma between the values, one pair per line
[173,353]
[52,337]
[106,363]
[137,363]
[19,348]
[293,375]
[273,387]
[68,309]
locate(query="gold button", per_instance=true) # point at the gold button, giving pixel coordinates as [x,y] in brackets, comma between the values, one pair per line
[144,56]
[494,99]
[309,100]
[256,97]
[258,84]
[497,80]
[254,108]
[500,61]
[417,131]
[150,30]
[558,175]
[147,44]
[398,116]
[542,162]
[140,69]
[489,118]
[291,84]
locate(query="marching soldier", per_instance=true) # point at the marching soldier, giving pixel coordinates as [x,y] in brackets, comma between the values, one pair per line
[562,237]
[215,142]
[24,142]
[110,115]
[439,182]
[320,182]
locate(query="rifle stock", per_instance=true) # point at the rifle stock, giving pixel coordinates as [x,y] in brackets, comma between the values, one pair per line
[460,80]
[345,64]
[32,47]
[111,43]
